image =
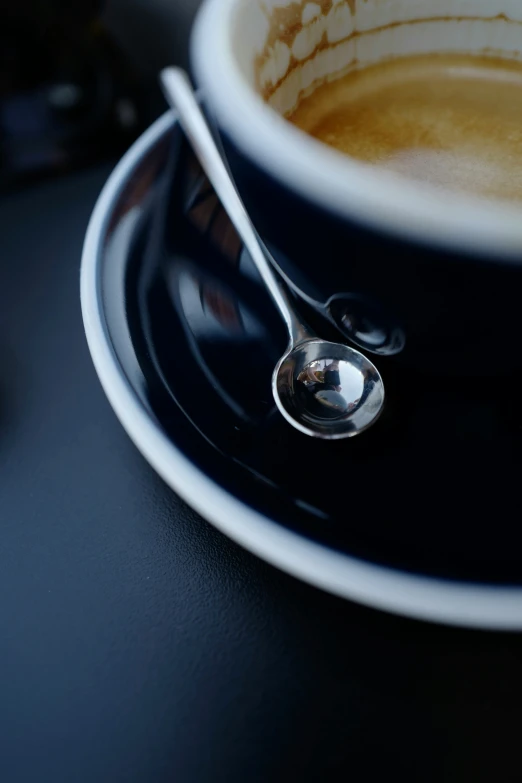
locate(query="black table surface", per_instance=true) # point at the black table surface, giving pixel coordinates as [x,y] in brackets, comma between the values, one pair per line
[139,644]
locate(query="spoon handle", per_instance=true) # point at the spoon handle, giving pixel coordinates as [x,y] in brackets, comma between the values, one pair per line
[180,95]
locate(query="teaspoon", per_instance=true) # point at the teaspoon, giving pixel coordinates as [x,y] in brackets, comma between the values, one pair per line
[323,389]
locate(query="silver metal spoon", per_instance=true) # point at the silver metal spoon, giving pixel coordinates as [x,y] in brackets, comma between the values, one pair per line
[326,390]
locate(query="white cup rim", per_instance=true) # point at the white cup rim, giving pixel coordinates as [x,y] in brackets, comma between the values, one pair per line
[353,191]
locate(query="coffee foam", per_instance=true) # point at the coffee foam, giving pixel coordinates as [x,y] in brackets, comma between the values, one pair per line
[451,121]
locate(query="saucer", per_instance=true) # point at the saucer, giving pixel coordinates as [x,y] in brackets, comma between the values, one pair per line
[418,516]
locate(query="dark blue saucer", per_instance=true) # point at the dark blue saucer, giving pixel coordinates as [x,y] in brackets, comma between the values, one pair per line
[419,515]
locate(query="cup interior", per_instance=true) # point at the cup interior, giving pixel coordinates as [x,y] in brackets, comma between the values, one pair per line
[287,48]
[256,59]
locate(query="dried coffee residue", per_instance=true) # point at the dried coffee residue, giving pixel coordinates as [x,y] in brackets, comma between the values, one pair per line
[286,24]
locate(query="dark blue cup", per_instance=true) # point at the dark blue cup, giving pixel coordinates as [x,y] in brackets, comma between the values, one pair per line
[425,275]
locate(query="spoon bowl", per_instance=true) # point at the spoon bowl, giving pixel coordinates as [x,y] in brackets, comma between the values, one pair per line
[327,390]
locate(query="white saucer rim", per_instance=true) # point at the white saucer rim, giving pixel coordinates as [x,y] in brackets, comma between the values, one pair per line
[416,596]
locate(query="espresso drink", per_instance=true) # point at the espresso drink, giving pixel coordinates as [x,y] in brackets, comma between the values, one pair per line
[452,121]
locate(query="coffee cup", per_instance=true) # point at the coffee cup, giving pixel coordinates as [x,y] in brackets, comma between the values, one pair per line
[427,274]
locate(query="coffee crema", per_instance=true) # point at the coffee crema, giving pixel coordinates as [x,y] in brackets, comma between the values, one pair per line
[451,121]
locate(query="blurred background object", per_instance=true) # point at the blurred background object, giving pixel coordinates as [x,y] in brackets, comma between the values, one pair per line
[78,79]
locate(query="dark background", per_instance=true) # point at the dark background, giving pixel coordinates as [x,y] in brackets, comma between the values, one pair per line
[136,642]
[78,81]
[152,32]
